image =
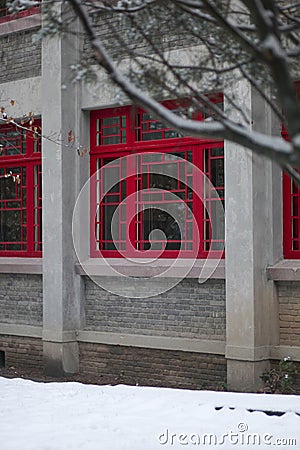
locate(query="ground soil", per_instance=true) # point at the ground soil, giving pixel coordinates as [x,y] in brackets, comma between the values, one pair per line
[38,375]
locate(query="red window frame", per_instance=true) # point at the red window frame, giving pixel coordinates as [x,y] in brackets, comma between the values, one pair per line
[6,16]
[291,218]
[290,208]
[127,137]
[21,200]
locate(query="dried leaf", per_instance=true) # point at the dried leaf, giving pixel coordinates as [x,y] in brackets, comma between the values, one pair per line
[70,136]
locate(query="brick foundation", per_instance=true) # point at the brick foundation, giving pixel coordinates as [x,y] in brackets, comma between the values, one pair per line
[151,367]
[22,352]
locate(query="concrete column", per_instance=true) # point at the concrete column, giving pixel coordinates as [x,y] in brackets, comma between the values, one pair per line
[253,241]
[62,289]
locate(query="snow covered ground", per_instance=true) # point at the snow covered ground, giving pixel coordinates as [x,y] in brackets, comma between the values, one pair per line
[73,416]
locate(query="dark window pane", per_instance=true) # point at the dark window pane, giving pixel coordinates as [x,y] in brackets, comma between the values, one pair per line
[111,121]
[152,135]
[111,140]
[111,130]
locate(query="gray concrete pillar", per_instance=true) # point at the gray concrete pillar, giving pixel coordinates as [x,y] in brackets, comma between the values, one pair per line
[253,241]
[62,311]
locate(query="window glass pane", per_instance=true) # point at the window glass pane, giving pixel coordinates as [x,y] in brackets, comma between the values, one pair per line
[111,140]
[152,135]
[10,212]
[110,225]
[217,172]
[111,130]
[156,219]
[111,121]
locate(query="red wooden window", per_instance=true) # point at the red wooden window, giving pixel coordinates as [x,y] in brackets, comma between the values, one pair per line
[6,15]
[20,191]
[291,218]
[121,132]
[291,209]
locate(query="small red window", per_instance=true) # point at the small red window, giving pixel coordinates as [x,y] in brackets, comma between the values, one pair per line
[6,15]
[20,191]
[291,218]
[291,210]
[154,181]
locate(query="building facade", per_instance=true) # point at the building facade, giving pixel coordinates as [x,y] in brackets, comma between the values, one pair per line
[227,330]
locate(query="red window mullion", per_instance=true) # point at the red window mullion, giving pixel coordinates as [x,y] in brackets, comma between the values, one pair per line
[131,201]
[30,208]
[93,203]
[198,204]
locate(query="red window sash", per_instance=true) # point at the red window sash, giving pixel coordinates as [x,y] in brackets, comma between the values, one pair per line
[169,145]
[28,160]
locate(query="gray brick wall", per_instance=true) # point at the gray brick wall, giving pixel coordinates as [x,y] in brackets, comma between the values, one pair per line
[21,299]
[20,57]
[289,312]
[189,310]
[121,34]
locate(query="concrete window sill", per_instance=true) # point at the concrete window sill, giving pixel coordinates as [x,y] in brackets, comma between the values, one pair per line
[24,23]
[100,267]
[285,270]
[21,265]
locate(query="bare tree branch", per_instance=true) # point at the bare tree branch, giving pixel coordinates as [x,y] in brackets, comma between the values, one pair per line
[273,147]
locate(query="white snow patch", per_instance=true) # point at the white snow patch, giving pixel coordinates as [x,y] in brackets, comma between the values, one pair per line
[73,416]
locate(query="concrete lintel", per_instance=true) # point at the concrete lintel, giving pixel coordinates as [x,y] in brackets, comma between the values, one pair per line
[23,23]
[21,330]
[157,342]
[247,353]
[98,267]
[60,336]
[27,95]
[285,270]
[21,265]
